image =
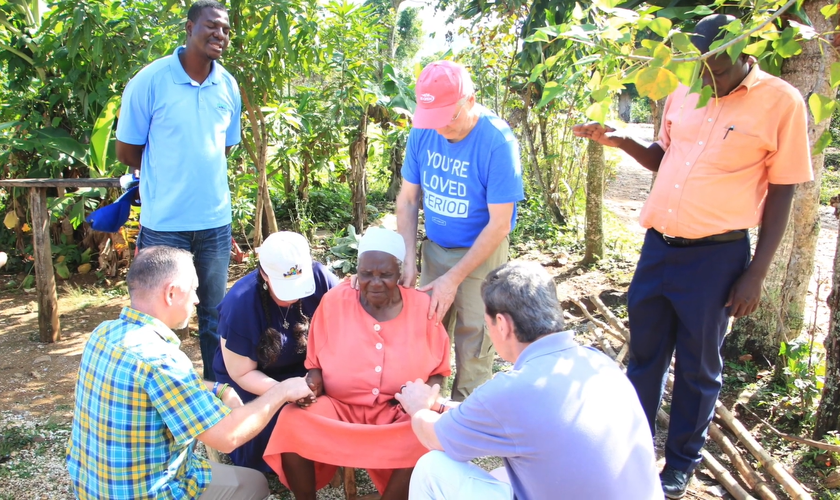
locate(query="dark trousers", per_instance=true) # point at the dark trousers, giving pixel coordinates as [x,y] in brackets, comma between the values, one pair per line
[211,253]
[677,302]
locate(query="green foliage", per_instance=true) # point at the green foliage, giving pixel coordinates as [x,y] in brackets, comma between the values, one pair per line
[800,374]
[640,110]
[15,438]
[344,251]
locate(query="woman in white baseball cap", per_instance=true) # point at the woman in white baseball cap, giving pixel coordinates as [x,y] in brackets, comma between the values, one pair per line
[264,326]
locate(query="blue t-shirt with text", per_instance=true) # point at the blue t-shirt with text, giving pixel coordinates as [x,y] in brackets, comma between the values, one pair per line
[460,179]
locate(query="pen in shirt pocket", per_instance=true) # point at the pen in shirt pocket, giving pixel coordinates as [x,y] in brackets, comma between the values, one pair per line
[730,129]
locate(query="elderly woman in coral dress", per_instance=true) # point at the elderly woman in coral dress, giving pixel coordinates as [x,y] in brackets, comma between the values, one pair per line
[363,346]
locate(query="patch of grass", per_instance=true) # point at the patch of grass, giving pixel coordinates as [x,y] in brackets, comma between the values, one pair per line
[15,439]
[830,185]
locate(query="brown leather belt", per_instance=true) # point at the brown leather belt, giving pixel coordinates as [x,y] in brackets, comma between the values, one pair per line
[677,241]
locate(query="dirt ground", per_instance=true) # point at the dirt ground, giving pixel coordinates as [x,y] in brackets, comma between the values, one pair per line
[37,380]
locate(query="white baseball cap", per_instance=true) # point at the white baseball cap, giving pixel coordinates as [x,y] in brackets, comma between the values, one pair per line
[383,240]
[286,261]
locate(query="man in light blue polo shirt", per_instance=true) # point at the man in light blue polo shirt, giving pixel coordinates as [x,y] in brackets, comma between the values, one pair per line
[566,421]
[178,121]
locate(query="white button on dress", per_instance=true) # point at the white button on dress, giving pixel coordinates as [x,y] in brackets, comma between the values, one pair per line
[375,392]
[376,328]
[379,345]
[378,369]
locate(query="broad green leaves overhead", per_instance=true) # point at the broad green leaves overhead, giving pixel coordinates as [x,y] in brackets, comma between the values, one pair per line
[656,83]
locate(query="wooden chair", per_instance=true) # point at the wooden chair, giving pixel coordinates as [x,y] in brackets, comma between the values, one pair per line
[347,477]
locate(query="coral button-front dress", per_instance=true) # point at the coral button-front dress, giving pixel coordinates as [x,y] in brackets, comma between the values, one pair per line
[357,423]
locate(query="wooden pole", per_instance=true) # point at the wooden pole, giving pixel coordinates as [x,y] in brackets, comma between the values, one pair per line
[48,325]
[599,324]
[613,320]
[791,485]
[751,477]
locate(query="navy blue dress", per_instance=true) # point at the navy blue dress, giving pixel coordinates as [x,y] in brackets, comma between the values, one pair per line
[242,322]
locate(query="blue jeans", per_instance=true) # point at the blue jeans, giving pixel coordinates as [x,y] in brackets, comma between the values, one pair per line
[676,302]
[211,252]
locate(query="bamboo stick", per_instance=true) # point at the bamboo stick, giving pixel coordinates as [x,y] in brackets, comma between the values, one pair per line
[788,482]
[611,318]
[622,353]
[751,477]
[605,345]
[598,323]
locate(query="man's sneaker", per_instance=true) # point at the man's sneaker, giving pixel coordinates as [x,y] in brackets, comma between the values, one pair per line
[674,482]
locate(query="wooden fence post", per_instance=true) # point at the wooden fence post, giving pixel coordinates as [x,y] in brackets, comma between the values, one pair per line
[48,325]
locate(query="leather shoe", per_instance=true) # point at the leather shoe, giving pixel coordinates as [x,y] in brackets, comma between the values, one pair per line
[674,482]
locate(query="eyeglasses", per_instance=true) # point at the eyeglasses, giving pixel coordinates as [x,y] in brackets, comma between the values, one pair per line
[459,114]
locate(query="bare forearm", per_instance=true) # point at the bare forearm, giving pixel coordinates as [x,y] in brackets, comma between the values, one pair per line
[407,214]
[245,422]
[255,382]
[774,221]
[423,424]
[648,154]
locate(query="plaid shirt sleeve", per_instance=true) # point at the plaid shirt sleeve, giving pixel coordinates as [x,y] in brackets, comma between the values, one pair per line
[181,398]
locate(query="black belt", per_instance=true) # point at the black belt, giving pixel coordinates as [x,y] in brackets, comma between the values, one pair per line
[676,241]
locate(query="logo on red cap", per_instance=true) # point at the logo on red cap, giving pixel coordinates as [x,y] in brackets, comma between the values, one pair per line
[426,98]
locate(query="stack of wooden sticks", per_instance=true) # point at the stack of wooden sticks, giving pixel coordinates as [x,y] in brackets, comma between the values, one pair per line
[753,483]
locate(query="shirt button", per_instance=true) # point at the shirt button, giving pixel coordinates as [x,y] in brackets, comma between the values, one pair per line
[379,345]
[710,119]
[700,143]
[378,369]
[669,210]
[687,163]
[677,186]
[662,227]
[375,392]
[376,328]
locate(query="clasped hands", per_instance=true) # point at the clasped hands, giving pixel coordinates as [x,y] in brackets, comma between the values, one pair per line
[417,395]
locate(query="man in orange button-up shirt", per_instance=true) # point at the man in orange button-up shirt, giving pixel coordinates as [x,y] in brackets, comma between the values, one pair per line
[722,169]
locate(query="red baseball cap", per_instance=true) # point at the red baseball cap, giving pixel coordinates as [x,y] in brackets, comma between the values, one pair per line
[441,85]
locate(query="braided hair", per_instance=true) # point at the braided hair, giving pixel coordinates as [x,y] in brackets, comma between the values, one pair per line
[271,341]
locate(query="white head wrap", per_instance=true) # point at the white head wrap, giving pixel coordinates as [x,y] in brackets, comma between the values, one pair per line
[383,240]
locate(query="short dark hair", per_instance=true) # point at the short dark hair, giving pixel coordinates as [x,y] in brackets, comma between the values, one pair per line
[195,9]
[155,267]
[526,293]
[709,29]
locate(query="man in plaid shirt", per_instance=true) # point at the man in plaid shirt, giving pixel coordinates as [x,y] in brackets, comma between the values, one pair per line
[140,405]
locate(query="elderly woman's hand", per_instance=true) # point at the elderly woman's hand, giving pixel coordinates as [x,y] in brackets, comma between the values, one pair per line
[416,396]
[316,384]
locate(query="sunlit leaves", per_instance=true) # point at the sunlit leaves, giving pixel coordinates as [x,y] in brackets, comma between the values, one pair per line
[656,83]
[661,26]
[835,74]
[821,106]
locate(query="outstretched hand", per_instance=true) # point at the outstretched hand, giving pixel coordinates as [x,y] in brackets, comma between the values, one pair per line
[602,134]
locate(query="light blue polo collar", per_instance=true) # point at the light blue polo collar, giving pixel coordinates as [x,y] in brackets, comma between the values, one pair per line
[551,343]
[180,76]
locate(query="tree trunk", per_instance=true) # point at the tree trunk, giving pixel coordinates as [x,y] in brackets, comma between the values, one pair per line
[594,203]
[257,150]
[828,413]
[396,160]
[624,103]
[543,183]
[781,312]
[656,108]
[358,184]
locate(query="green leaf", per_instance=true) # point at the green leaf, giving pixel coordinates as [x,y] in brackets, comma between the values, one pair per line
[735,50]
[600,94]
[756,49]
[85,256]
[62,271]
[829,10]
[821,106]
[536,72]
[686,72]
[598,111]
[822,143]
[538,36]
[656,83]
[835,74]
[682,42]
[661,26]
[701,10]
[706,93]
[551,90]
[77,213]
[101,136]
[661,55]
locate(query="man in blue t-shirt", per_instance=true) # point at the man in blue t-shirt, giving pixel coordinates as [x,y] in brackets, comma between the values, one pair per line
[178,121]
[564,419]
[463,161]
